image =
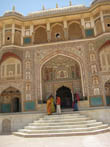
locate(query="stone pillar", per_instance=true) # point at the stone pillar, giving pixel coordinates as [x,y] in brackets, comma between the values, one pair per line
[102,21]
[104,97]
[65,30]
[31,29]
[3,34]
[83,24]
[22,102]
[38,94]
[48,32]
[13,33]
[93,26]
[31,32]
[22,34]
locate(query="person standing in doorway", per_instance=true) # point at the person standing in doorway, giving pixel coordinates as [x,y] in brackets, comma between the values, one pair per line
[75,102]
[58,103]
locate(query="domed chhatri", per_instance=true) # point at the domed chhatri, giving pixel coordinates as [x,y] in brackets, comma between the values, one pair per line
[98,1]
[12,12]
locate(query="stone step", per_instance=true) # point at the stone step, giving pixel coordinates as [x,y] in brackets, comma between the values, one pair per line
[64,130]
[62,126]
[61,123]
[21,134]
[63,120]
[63,117]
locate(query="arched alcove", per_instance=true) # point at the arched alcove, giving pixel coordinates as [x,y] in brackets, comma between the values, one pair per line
[40,35]
[57,32]
[10,100]
[74,31]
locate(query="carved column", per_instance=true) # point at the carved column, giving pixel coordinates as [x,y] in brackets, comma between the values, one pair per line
[22,34]
[13,33]
[83,24]
[65,30]
[38,80]
[4,34]
[102,21]
[104,96]
[31,29]
[48,32]
[31,32]
[93,26]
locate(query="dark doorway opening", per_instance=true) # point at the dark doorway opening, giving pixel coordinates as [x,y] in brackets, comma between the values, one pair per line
[66,97]
[16,105]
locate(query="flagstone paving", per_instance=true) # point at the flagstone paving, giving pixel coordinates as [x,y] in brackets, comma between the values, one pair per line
[100,140]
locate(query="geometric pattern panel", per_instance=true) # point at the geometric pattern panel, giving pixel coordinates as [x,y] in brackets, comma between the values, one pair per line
[96,101]
[108,100]
[29,106]
[5,108]
[27,40]
[89,32]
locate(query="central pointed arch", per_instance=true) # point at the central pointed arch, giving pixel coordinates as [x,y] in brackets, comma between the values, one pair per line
[69,55]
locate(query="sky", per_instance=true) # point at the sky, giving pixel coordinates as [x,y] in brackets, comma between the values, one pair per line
[27,6]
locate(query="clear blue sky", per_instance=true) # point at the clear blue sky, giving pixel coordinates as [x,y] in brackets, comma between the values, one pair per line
[27,6]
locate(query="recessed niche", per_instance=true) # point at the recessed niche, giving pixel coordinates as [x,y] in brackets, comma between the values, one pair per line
[8,38]
[108,25]
[57,35]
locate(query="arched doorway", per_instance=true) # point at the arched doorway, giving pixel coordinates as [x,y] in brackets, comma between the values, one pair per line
[16,104]
[66,97]
[107,92]
[10,100]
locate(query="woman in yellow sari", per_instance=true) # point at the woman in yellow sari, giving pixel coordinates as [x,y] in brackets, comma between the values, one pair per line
[52,104]
[49,111]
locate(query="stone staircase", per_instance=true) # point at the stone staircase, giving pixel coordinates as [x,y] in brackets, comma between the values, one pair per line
[63,125]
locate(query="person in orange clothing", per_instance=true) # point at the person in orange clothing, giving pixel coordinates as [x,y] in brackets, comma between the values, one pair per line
[49,106]
[58,103]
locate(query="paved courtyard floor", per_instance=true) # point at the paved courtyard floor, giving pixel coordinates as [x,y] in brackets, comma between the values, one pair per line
[100,140]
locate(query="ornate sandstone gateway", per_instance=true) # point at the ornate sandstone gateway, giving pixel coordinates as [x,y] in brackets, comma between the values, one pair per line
[61,50]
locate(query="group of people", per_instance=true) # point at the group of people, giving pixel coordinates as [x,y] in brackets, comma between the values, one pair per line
[55,106]
[52,106]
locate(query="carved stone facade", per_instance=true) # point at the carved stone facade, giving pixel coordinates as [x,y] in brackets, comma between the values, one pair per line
[59,53]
